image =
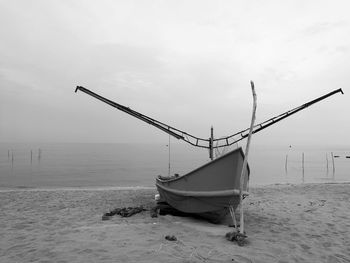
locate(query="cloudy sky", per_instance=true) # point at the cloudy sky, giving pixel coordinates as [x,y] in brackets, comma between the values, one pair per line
[186,63]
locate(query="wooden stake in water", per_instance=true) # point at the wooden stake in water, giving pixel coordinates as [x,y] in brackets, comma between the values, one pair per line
[327,164]
[12,160]
[286,168]
[39,154]
[245,162]
[333,165]
[286,165]
[303,167]
[8,155]
[31,156]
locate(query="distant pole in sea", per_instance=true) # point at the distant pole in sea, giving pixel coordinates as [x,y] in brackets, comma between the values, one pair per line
[39,154]
[31,156]
[303,167]
[286,165]
[12,160]
[333,165]
[327,164]
[8,155]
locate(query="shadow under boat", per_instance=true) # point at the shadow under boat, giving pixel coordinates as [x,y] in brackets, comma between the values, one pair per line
[208,191]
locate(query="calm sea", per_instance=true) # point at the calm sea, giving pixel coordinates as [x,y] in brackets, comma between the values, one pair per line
[132,165]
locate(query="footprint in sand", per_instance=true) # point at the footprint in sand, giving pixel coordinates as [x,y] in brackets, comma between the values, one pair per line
[241,259]
[327,244]
[305,247]
[295,234]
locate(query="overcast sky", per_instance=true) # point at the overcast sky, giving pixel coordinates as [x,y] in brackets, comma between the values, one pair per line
[186,63]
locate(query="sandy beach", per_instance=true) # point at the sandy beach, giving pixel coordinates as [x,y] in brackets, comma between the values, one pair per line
[284,223]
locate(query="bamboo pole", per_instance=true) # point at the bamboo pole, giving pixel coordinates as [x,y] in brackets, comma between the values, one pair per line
[245,162]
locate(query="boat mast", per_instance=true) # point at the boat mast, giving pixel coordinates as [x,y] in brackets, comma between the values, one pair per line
[211,146]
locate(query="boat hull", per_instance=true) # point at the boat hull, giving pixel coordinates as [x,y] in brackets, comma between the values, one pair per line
[212,187]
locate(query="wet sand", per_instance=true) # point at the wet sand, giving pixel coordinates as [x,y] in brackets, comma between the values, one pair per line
[284,223]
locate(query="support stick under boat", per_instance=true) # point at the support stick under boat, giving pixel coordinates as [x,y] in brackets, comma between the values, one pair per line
[233,215]
[245,162]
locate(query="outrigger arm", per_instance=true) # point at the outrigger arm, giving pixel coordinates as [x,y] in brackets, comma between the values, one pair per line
[209,143]
[222,142]
[178,134]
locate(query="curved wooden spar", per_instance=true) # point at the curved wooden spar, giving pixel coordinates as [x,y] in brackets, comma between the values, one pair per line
[209,143]
[245,162]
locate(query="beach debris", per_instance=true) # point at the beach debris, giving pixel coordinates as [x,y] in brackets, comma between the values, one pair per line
[314,205]
[154,212]
[123,212]
[237,236]
[171,238]
[157,197]
[318,202]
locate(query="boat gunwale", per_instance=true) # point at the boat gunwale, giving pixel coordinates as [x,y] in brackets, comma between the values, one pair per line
[204,165]
[216,193]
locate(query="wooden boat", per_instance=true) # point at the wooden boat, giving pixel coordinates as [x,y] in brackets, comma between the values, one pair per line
[214,186]
[211,188]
